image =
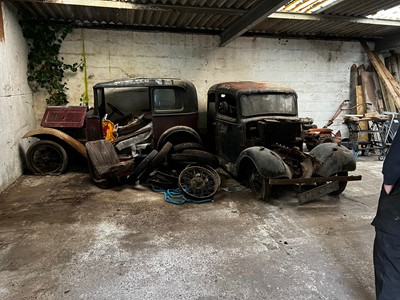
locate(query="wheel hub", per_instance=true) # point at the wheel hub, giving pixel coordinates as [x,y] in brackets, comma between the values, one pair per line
[197,183]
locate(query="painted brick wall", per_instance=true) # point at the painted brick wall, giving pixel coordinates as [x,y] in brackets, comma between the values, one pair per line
[16,112]
[317,70]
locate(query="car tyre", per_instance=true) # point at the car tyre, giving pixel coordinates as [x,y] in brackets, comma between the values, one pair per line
[342,184]
[46,158]
[259,185]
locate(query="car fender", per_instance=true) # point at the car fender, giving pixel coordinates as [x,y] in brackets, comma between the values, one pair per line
[333,158]
[43,132]
[267,162]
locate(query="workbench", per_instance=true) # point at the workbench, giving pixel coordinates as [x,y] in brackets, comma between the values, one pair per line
[376,135]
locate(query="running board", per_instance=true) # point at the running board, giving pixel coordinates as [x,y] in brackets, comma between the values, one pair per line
[317,192]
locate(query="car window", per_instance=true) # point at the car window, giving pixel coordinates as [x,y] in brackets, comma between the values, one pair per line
[128,100]
[167,99]
[268,104]
[227,105]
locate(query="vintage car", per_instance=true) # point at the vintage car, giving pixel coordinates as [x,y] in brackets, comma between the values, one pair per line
[255,130]
[135,114]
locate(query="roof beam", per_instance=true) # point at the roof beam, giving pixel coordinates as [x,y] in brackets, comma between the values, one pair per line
[134,6]
[255,15]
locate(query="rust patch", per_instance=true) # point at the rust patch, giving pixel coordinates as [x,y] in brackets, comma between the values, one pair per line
[254,87]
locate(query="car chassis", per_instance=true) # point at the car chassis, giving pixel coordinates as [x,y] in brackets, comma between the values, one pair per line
[255,130]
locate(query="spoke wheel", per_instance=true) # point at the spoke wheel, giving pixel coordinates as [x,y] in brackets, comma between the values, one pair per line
[259,185]
[46,158]
[198,182]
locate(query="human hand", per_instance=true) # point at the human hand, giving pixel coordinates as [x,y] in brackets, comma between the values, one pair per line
[388,188]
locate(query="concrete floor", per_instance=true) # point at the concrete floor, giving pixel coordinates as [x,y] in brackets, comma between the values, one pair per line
[63,238]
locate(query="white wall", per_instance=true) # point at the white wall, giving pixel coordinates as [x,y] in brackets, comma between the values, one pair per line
[318,70]
[16,113]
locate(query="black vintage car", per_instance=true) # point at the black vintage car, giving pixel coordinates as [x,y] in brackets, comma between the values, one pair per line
[255,130]
[163,109]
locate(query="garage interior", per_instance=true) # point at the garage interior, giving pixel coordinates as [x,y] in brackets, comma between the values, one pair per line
[62,237]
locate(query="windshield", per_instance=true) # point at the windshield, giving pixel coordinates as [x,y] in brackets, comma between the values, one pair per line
[268,104]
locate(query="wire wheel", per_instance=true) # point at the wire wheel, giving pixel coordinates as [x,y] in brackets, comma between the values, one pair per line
[197,182]
[259,185]
[46,158]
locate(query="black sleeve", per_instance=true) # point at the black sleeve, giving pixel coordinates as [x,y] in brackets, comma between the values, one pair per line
[391,166]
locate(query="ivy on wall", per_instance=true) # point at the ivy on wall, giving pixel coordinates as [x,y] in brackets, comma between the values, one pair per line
[45,68]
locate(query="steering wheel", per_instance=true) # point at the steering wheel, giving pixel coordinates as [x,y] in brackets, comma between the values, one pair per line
[114,110]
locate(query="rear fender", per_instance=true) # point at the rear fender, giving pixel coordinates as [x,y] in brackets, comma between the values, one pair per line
[267,162]
[333,159]
[41,133]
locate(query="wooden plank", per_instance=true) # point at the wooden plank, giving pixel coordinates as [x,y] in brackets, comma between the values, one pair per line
[392,86]
[389,102]
[398,61]
[361,110]
[393,65]
[369,92]
[378,91]
[360,69]
[353,84]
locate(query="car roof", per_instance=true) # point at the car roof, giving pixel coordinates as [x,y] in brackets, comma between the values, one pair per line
[249,87]
[145,82]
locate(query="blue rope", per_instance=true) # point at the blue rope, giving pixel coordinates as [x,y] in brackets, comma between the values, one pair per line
[175,196]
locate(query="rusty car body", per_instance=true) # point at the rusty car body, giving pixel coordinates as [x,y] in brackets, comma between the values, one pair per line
[140,110]
[255,130]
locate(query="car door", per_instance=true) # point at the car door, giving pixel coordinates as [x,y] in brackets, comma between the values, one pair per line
[227,132]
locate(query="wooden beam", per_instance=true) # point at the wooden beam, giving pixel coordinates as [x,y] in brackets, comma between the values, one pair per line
[361,110]
[391,85]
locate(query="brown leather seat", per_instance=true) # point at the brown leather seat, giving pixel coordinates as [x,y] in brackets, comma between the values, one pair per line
[105,167]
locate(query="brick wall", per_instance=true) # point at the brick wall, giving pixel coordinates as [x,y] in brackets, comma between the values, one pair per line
[318,70]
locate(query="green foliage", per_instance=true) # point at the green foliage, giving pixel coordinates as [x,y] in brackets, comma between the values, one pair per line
[45,68]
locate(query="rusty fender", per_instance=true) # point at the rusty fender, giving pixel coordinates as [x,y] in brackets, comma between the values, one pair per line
[267,162]
[333,158]
[40,132]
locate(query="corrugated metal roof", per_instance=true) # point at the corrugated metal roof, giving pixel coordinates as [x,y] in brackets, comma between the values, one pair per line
[342,19]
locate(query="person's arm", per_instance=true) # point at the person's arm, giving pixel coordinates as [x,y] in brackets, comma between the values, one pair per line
[391,165]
